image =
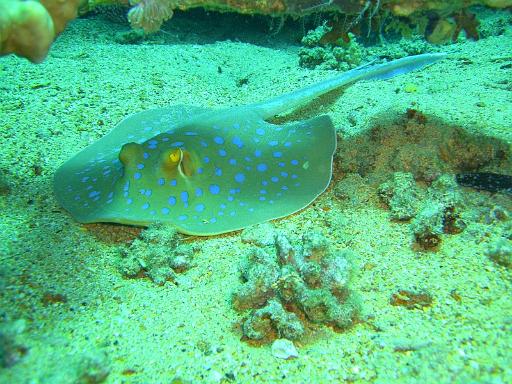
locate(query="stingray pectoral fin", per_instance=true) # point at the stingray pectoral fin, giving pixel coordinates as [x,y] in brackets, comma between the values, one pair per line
[281,173]
[314,170]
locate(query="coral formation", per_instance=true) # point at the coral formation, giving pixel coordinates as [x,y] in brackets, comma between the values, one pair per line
[401,195]
[157,254]
[150,14]
[501,252]
[287,288]
[339,54]
[433,212]
[28,28]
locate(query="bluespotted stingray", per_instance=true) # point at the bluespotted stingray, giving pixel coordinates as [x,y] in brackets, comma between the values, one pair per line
[211,171]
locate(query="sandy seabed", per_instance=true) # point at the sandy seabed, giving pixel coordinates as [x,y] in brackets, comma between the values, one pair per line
[69,313]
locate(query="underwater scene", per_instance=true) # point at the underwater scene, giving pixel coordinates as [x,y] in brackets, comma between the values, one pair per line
[240,191]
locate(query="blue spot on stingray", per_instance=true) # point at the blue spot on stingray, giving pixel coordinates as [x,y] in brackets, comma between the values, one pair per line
[223,206]
[94,194]
[218,140]
[177,144]
[203,143]
[262,198]
[200,170]
[248,159]
[214,189]
[145,206]
[287,144]
[161,181]
[206,159]
[137,175]
[200,207]
[213,220]
[140,166]
[182,217]
[284,188]
[284,174]
[281,164]
[222,152]
[264,183]
[263,192]
[272,143]
[148,192]
[262,167]
[153,142]
[232,161]
[85,179]
[199,192]
[231,198]
[238,142]
[218,171]
[166,210]
[277,154]
[274,179]
[190,133]
[184,196]
[172,200]
[232,213]
[126,186]
[129,201]
[173,182]
[260,131]
[239,177]
[294,162]
[257,153]
[294,176]
[236,126]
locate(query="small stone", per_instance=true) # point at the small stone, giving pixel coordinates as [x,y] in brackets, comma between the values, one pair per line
[284,349]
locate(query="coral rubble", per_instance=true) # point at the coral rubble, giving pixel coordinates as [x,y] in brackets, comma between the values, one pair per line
[157,254]
[287,288]
[433,212]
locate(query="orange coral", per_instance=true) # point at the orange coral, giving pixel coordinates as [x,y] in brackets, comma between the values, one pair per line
[28,28]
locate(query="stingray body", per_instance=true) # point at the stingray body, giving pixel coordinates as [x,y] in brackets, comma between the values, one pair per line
[209,172]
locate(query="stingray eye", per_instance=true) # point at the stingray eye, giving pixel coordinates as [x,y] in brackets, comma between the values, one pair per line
[171,159]
[175,155]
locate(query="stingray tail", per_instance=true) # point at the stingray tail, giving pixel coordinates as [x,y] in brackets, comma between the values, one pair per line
[384,71]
